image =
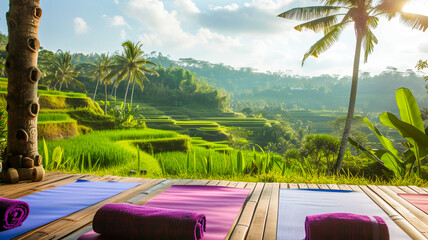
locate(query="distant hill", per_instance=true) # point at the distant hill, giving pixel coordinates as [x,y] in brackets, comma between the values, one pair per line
[325,92]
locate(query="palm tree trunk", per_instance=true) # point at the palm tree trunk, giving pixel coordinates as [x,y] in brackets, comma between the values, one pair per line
[60,86]
[126,91]
[96,87]
[132,92]
[22,100]
[351,107]
[105,105]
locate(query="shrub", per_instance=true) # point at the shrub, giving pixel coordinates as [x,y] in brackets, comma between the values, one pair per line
[179,144]
[57,130]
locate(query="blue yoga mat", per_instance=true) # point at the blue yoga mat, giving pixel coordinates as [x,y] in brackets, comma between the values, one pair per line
[55,203]
[296,204]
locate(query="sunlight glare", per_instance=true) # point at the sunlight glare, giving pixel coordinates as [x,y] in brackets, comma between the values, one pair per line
[416,6]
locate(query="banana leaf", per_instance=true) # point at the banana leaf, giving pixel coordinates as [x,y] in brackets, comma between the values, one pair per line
[407,131]
[409,109]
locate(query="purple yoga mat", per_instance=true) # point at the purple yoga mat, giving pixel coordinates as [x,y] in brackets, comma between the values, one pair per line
[220,205]
[12,213]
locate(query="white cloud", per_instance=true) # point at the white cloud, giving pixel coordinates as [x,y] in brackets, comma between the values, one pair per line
[116,1]
[186,7]
[80,26]
[161,24]
[216,40]
[118,21]
[123,35]
[232,7]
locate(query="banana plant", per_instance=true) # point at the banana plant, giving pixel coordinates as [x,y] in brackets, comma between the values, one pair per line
[410,127]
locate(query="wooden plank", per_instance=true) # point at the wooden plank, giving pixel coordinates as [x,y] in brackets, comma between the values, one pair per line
[213,183]
[323,186]
[302,185]
[333,186]
[239,232]
[232,184]
[312,186]
[411,218]
[223,183]
[397,218]
[418,190]
[407,189]
[414,210]
[284,185]
[241,185]
[293,186]
[65,225]
[272,217]
[9,189]
[396,189]
[193,182]
[344,187]
[355,188]
[257,226]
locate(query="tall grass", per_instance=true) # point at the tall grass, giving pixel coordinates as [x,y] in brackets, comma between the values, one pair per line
[103,144]
[50,117]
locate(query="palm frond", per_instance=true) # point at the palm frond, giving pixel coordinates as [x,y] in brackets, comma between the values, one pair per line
[368,42]
[318,24]
[338,2]
[373,21]
[391,7]
[309,13]
[324,43]
[415,21]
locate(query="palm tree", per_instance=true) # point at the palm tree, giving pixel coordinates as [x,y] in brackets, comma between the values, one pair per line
[332,18]
[98,70]
[22,100]
[62,71]
[131,64]
[107,62]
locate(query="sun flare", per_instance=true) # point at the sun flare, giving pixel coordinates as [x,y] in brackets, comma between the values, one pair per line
[416,6]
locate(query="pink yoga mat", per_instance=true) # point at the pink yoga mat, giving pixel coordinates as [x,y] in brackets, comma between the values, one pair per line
[220,205]
[418,200]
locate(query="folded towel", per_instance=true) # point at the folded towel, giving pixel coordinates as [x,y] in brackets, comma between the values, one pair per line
[12,213]
[336,226]
[127,221]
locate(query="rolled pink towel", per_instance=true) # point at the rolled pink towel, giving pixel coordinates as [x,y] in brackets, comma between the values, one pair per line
[337,226]
[126,221]
[12,213]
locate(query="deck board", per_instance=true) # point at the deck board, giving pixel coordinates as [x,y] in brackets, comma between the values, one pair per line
[272,217]
[256,220]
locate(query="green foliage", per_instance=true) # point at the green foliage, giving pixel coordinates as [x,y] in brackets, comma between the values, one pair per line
[50,130]
[319,146]
[103,145]
[61,70]
[163,145]
[52,117]
[410,127]
[240,163]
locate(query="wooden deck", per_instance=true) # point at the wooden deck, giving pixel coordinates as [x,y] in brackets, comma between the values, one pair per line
[260,208]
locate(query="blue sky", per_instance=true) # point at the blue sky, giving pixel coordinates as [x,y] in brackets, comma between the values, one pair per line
[241,33]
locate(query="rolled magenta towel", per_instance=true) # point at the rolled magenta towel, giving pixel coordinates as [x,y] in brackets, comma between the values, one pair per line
[126,221]
[336,226]
[12,213]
